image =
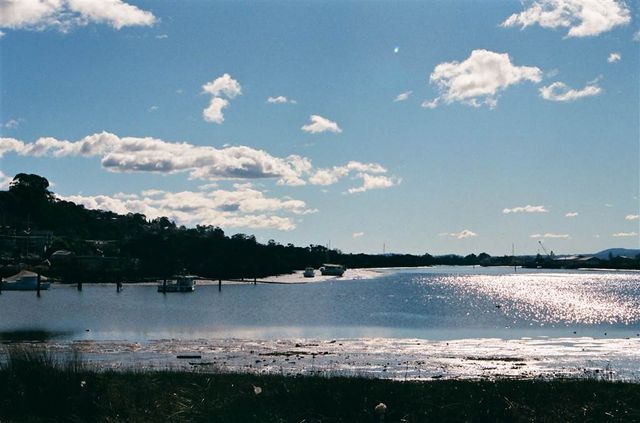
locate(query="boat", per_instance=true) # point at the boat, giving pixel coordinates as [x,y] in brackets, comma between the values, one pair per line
[24,281]
[309,272]
[185,283]
[332,270]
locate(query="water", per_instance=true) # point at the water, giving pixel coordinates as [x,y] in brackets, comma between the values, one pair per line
[433,304]
[405,324]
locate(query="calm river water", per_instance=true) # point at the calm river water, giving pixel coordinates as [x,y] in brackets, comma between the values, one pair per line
[436,304]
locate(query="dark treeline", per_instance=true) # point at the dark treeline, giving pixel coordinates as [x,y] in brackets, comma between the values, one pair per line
[102,245]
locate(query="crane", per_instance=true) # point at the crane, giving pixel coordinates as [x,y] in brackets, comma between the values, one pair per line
[550,255]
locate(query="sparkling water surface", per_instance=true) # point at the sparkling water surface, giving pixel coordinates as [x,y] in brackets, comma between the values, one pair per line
[441,303]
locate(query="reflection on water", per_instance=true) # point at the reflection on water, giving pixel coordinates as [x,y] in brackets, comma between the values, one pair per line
[32,335]
[436,303]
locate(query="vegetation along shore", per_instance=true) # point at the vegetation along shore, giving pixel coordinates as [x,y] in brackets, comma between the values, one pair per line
[66,241]
[35,387]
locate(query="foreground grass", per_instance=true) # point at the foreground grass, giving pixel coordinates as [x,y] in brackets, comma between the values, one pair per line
[33,388]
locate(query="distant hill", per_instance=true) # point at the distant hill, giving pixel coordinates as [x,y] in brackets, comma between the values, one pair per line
[616,252]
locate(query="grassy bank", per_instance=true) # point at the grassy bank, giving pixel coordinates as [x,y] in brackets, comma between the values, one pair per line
[33,388]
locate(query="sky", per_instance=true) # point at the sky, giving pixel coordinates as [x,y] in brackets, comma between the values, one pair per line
[413,127]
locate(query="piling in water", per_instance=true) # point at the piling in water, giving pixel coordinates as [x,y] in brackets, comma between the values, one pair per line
[38,286]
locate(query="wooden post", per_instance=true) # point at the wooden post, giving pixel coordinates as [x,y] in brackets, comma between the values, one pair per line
[118,286]
[254,280]
[79,286]
[164,286]
[219,285]
[38,286]
[0,285]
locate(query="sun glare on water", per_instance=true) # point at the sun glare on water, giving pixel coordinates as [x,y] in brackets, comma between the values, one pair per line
[554,298]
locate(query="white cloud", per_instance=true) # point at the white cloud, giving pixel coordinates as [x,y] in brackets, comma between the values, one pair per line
[632,217]
[244,207]
[66,14]
[370,182]
[571,214]
[226,86]
[319,124]
[582,17]
[551,235]
[357,234]
[330,176]
[478,79]
[431,104]
[526,209]
[153,108]
[466,233]
[403,96]
[624,234]
[132,154]
[614,57]
[281,100]
[2,34]
[558,91]
[4,180]
[636,36]
[213,113]
[13,123]
[162,37]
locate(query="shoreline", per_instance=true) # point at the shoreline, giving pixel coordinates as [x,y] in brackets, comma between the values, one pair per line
[613,359]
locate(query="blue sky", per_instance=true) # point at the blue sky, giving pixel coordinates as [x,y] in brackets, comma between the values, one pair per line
[428,126]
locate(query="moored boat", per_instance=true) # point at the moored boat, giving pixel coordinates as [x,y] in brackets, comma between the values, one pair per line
[185,283]
[24,281]
[332,270]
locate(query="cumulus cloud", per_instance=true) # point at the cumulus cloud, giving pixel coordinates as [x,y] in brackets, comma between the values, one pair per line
[319,124]
[614,57]
[329,176]
[559,91]
[526,209]
[403,96]
[551,235]
[66,14]
[479,79]
[357,234]
[4,180]
[571,214]
[370,182]
[466,233]
[582,17]
[244,207]
[632,217]
[133,154]
[624,234]
[225,86]
[213,113]
[281,100]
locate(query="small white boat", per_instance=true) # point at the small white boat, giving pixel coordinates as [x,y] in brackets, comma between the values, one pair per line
[332,270]
[309,272]
[181,284]
[24,281]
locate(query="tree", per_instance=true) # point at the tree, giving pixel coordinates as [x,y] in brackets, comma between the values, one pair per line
[30,188]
